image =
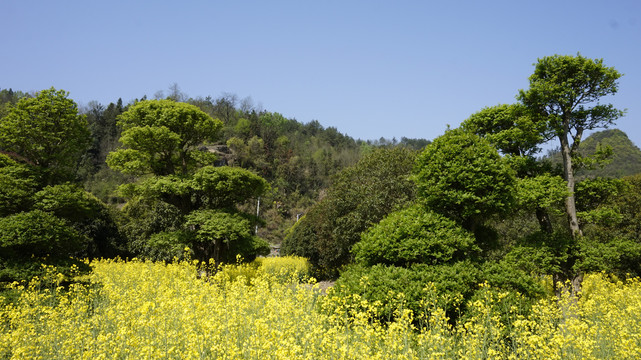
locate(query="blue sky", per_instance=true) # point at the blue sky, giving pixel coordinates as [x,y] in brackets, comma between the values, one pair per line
[369,68]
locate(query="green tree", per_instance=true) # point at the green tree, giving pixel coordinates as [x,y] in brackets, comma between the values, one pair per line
[360,197]
[518,135]
[48,132]
[462,176]
[221,236]
[29,239]
[510,128]
[565,92]
[414,247]
[162,137]
[182,200]
[18,182]
[414,235]
[610,214]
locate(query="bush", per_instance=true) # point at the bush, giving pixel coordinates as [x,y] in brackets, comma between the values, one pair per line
[414,235]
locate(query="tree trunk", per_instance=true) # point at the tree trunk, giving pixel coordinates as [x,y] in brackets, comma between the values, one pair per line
[544,220]
[568,176]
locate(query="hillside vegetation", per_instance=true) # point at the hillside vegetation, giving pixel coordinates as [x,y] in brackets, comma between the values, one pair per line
[471,245]
[624,161]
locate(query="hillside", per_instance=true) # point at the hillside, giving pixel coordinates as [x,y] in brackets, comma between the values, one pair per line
[626,156]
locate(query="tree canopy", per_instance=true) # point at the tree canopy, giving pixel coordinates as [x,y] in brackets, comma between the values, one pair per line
[162,137]
[462,176]
[183,200]
[48,132]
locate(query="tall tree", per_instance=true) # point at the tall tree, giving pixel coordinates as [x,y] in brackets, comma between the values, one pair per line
[183,200]
[518,136]
[565,92]
[48,132]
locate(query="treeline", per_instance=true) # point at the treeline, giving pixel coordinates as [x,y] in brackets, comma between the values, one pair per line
[120,160]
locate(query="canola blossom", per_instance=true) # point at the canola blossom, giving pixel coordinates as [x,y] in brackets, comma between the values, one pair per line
[146,310]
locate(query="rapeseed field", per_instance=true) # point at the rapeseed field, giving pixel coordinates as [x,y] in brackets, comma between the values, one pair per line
[271,310]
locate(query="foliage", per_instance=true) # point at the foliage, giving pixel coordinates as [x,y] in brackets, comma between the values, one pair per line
[564,93]
[542,191]
[28,239]
[44,219]
[359,197]
[389,285]
[37,233]
[625,159]
[610,216]
[181,200]
[509,128]
[48,132]
[462,176]
[222,187]
[68,202]
[87,215]
[414,235]
[561,87]
[17,184]
[162,138]
[207,187]
[542,253]
[221,236]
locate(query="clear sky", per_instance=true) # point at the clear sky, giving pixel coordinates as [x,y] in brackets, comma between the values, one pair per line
[369,68]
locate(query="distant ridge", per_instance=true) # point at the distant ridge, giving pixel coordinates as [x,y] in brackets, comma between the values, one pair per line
[626,158]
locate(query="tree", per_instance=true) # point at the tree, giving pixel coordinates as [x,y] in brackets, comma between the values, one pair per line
[221,235]
[17,183]
[414,247]
[183,200]
[162,138]
[462,176]
[29,239]
[510,128]
[48,132]
[360,197]
[565,92]
[518,136]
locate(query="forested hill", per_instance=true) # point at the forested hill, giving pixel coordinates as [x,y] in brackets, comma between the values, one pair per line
[297,159]
[624,161]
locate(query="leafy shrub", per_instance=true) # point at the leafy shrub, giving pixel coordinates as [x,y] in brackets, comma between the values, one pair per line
[462,176]
[414,235]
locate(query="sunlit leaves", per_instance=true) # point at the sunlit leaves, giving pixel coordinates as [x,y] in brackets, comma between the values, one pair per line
[414,235]
[48,132]
[160,137]
[462,176]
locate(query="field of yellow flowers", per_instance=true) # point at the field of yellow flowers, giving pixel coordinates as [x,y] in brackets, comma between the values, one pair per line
[268,310]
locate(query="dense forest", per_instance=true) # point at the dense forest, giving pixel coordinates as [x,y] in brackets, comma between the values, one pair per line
[176,177]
